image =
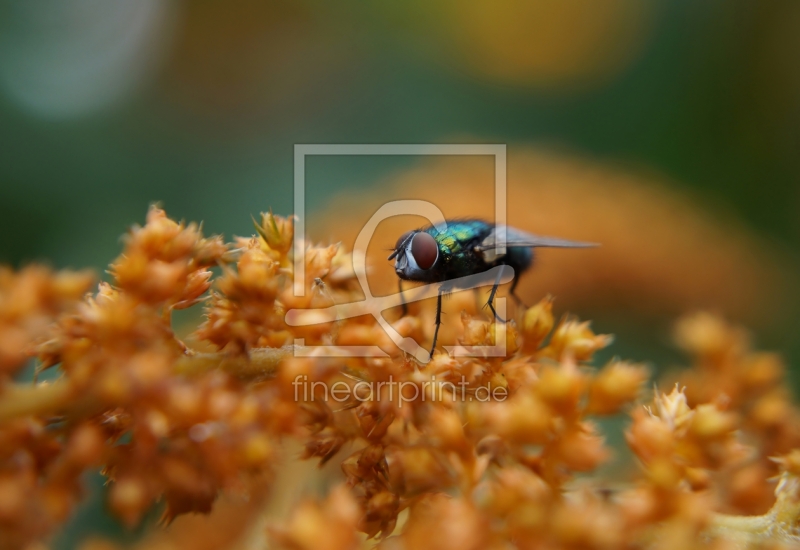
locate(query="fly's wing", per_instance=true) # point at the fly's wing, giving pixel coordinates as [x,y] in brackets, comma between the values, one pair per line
[518,238]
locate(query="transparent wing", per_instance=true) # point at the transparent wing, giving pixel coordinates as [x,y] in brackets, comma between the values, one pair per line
[518,238]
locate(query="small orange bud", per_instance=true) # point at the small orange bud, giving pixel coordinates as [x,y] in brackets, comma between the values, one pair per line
[581,449]
[128,498]
[663,473]
[445,427]
[649,437]
[85,445]
[13,494]
[523,418]
[277,232]
[711,423]
[576,339]
[561,387]
[537,324]
[256,450]
[615,385]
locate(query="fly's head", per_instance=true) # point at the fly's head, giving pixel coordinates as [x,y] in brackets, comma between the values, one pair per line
[415,256]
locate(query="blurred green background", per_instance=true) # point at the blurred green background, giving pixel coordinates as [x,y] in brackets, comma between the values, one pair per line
[107,106]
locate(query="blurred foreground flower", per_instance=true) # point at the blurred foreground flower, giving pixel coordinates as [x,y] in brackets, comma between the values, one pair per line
[477,452]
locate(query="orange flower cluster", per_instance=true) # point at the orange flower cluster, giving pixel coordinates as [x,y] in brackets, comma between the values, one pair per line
[750,388]
[485,450]
[29,300]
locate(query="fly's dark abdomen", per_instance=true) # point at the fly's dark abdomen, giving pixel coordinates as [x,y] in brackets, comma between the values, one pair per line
[519,258]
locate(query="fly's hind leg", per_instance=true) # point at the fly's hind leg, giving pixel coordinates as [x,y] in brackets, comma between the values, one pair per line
[514,294]
[496,285]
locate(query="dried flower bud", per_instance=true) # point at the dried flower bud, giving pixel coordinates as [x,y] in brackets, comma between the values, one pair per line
[761,371]
[439,521]
[276,231]
[710,423]
[617,384]
[649,437]
[523,418]
[446,430]
[537,324]
[561,387]
[129,499]
[85,447]
[708,336]
[673,409]
[572,338]
[580,448]
[328,525]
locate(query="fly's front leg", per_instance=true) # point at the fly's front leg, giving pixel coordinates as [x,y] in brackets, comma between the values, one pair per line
[438,320]
[402,297]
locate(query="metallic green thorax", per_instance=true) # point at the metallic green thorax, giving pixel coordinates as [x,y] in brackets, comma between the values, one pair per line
[458,250]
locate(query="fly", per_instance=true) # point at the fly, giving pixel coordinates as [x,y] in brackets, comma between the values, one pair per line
[466,247]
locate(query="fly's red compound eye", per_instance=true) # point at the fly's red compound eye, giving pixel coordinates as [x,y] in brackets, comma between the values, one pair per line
[424,249]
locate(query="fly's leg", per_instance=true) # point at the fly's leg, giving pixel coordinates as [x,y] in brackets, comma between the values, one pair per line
[477,294]
[514,295]
[490,302]
[438,320]
[402,297]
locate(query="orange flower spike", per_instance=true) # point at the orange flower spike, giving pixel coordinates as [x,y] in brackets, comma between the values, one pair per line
[511,333]
[790,463]
[129,499]
[68,286]
[445,428]
[711,424]
[29,302]
[521,419]
[276,232]
[341,272]
[581,449]
[328,525]
[161,257]
[516,486]
[571,337]
[440,521]
[476,330]
[761,372]
[197,283]
[319,260]
[650,438]
[562,387]
[616,385]
[414,470]
[710,338]
[674,410]
[664,473]
[256,451]
[536,324]
[255,279]
[209,251]
[86,446]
